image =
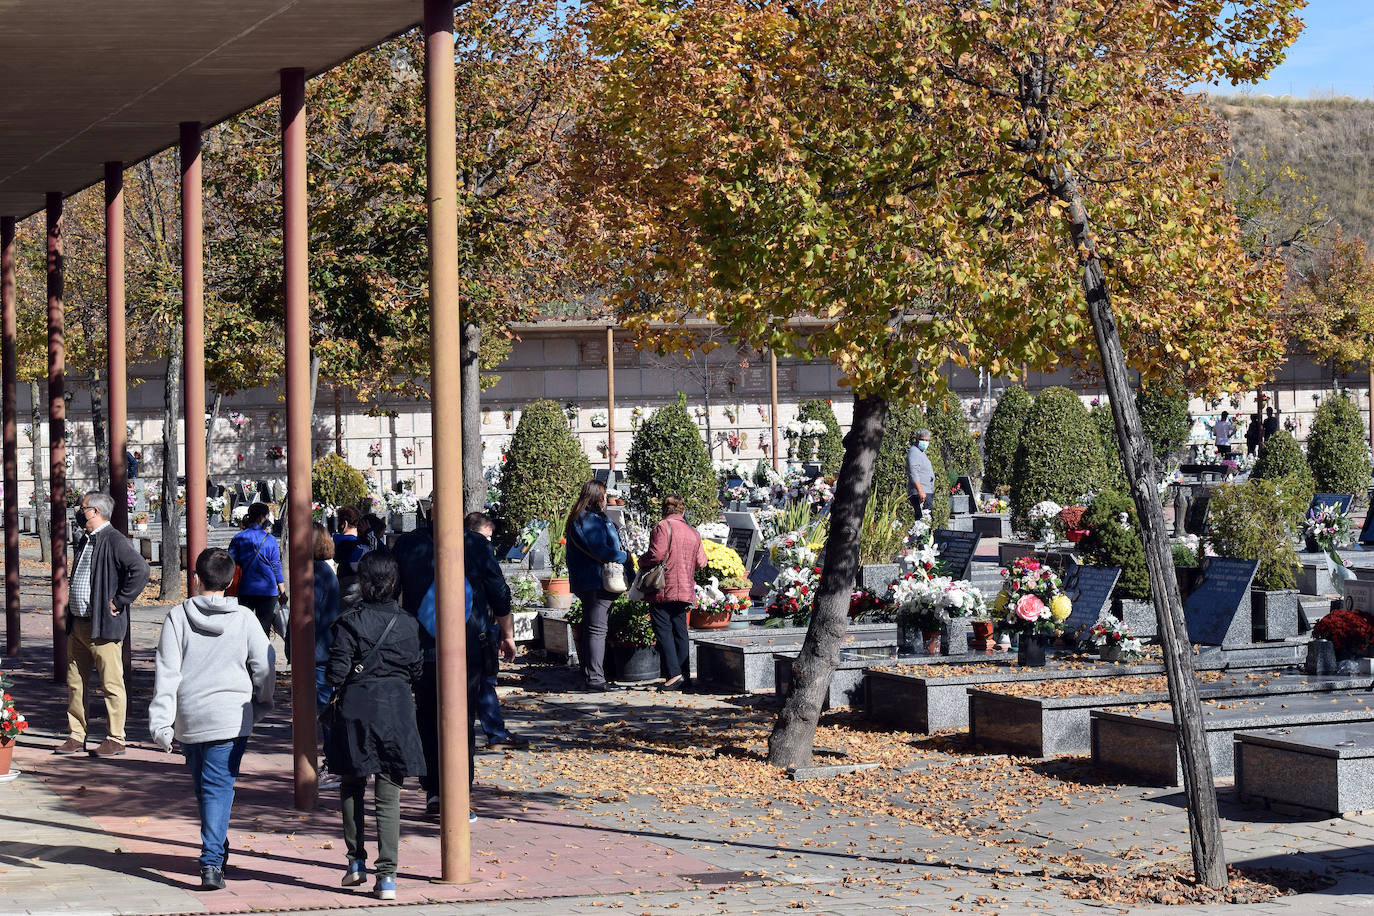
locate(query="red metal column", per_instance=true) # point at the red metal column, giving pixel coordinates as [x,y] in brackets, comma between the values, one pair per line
[9,330]
[773,401]
[116,369]
[193,348]
[445,391]
[57,431]
[610,397]
[295,226]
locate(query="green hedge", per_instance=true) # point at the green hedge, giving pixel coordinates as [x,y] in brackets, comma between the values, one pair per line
[334,482]
[1165,419]
[1115,469]
[1110,544]
[949,429]
[830,448]
[1002,436]
[1281,457]
[544,470]
[1059,456]
[667,455]
[1337,451]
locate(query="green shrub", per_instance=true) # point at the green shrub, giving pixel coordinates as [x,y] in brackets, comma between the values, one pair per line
[1115,476]
[1337,452]
[1003,434]
[1059,456]
[1110,544]
[1165,419]
[830,448]
[1281,457]
[1256,520]
[889,474]
[667,456]
[334,482]
[544,469]
[949,429]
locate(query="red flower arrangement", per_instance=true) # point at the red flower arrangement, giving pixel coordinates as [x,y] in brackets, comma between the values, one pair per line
[1350,632]
[1072,516]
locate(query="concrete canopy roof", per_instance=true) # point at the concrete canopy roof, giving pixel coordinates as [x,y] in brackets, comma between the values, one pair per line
[90,81]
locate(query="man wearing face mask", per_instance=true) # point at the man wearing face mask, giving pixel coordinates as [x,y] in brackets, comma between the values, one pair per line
[920,476]
[107,575]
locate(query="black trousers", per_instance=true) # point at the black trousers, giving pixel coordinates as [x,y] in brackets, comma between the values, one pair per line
[669,621]
[920,508]
[264,607]
[427,719]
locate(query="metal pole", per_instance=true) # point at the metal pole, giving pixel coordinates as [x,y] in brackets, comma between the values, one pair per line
[193,344]
[446,392]
[773,397]
[9,331]
[116,369]
[610,397]
[57,431]
[295,239]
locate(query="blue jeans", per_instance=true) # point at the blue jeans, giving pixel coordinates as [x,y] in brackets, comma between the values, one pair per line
[214,766]
[322,694]
[488,704]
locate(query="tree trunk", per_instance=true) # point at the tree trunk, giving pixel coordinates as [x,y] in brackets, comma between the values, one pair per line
[98,432]
[171,590]
[40,499]
[474,481]
[794,735]
[1209,859]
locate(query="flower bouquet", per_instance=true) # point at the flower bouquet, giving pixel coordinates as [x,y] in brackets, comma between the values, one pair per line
[1114,640]
[1032,600]
[1351,632]
[1044,520]
[1327,527]
[994,506]
[275,453]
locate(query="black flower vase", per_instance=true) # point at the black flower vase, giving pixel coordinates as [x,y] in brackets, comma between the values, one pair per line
[1030,650]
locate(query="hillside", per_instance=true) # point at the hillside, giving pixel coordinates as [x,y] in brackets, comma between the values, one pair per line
[1329,140]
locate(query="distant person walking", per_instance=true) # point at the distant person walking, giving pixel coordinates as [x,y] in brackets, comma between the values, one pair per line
[1271,423]
[1222,431]
[920,476]
[108,574]
[592,542]
[491,608]
[214,682]
[676,546]
[255,550]
[1254,435]
[375,661]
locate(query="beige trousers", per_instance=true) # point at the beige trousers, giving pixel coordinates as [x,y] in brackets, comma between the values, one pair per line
[107,655]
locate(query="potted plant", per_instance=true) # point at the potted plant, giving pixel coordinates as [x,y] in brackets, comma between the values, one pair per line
[12,724]
[1257,520]
[1326,528]
[630,652]
[401,509]
[1070,521]
[723,570]
[1186,566]
[140,521]
[556,586]
[715,608]
[214,509]
[1351,632]
[1114,641]
[1032,604]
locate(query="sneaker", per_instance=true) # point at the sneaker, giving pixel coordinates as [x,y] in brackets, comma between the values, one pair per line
[328,780]
[385,888]
[70,747]
[356,874]
[109,748]
[211,878]
[432,803]
[472,816]
[508,743]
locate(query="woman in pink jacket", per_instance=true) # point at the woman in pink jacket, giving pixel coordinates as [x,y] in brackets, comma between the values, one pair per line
[677,546]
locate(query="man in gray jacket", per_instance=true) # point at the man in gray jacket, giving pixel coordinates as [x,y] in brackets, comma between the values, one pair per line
[108,574]
[214,681]
[920,476]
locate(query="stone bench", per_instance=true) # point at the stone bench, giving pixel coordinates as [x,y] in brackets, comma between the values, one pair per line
[740,660]
[1142,747]
[1325,769]
[1052,726]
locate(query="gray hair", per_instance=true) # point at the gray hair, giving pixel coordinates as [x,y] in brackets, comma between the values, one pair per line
[102,503]
[923,434]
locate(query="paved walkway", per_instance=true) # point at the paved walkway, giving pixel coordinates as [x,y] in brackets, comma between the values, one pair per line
[644,802]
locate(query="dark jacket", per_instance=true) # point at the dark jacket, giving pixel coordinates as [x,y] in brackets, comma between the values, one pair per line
[490,593]
[326,610]
[414,552]
[593,543]
[681,556]
[118,574]
[257,554]
[376,731]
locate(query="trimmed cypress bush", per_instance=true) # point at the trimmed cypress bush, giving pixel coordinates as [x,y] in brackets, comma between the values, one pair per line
[1110,544]
[1059,457]
[949,429]
[889,474]
[334,482]
[830,448]
[1003,434]
[668,456]
[1281,457]
[1257,520]
[544,469]
[1337,452]
[1105,425]
[1165,419]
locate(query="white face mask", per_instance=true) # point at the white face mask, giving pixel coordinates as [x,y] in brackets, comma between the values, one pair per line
[923,445]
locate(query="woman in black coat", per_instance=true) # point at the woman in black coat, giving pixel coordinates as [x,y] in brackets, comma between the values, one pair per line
[375,734]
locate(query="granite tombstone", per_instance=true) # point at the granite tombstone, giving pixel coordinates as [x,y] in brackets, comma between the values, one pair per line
[1090,590]
[956,550]
[1218,610]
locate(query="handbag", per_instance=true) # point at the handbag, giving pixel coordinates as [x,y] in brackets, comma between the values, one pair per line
[612,574]
[332,712]
[653,578]
[232,589]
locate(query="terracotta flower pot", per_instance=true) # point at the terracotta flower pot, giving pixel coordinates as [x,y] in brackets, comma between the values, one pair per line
[931,642]
[982,636]
[556,586]
[708,620]
[6,754]
[742,593]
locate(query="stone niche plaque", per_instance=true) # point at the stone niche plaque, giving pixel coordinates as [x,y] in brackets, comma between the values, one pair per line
[1090,589]
[742,536]
[956,550]
[1218,610]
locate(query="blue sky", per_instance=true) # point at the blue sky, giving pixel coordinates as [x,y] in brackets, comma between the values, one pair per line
[1334,53]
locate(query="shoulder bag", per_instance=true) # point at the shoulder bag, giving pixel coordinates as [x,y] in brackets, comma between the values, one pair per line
[653,578]
[233,588]
[330,715]
[612,574]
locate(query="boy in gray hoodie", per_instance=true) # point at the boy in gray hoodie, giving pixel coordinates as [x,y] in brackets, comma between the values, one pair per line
[215,676]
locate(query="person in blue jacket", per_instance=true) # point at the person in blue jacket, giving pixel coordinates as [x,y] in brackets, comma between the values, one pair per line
[261,583]
[592,542]
[425,614]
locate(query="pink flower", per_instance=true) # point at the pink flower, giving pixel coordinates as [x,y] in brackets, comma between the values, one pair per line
[1029,608]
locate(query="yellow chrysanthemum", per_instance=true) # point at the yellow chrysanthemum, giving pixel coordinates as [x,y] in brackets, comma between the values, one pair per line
[1061,607]
[1002,599]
